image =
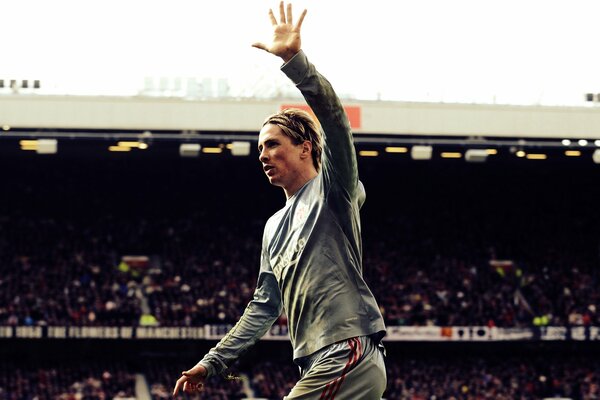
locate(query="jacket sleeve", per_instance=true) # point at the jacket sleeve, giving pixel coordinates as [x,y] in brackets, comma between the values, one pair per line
[259,315]
[339,156]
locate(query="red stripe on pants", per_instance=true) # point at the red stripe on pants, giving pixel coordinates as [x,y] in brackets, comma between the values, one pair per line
[334,386]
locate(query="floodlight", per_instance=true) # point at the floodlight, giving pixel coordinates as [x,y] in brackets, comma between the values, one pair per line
[476,155]
[46,146]
[421,152]
[189,149]
[240,148]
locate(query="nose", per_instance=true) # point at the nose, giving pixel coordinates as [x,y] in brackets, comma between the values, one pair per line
[262,157]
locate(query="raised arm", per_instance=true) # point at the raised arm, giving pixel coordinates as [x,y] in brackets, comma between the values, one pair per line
[339,155]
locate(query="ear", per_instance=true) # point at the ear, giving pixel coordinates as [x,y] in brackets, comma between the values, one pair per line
[306,149]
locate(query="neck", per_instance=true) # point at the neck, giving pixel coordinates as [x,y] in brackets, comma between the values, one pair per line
[301,181]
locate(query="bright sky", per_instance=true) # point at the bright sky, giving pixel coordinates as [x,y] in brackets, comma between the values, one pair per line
[484,51]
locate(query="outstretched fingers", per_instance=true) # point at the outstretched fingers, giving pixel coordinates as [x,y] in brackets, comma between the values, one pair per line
[299,24]
[272,17]
[290,19]
[286,17]
[286,33]
[281,12]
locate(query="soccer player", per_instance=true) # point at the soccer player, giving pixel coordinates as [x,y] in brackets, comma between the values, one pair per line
[311,262]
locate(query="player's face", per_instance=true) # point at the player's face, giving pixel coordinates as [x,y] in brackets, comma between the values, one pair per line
[280,157]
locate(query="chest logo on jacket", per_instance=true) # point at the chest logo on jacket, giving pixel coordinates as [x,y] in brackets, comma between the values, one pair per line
[300,216]
[288,259]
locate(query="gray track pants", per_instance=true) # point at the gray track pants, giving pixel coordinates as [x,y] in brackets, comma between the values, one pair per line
[352,369]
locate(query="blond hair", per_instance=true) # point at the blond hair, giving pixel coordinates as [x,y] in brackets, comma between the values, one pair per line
[299,126]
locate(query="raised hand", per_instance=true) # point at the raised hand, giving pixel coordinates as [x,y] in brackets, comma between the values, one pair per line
[286,35]
[191,381]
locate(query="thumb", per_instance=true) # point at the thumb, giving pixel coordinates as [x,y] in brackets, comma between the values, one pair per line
[259,45]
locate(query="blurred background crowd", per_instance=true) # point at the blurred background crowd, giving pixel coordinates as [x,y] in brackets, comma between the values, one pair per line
[498,247]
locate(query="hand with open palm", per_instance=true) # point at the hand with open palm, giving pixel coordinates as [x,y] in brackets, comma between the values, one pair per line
[286,35]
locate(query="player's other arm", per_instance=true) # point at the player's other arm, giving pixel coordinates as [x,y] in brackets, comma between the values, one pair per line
[258,317]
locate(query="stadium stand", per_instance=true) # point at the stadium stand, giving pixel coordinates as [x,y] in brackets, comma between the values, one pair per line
[499,246]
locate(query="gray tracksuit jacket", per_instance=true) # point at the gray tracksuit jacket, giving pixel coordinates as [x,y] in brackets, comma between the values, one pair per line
[311,262]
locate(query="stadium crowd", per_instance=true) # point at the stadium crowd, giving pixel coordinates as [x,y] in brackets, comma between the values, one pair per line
[70,272]
[514,253]
[498,247]
[63,381]
[410,377]
[494,377]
